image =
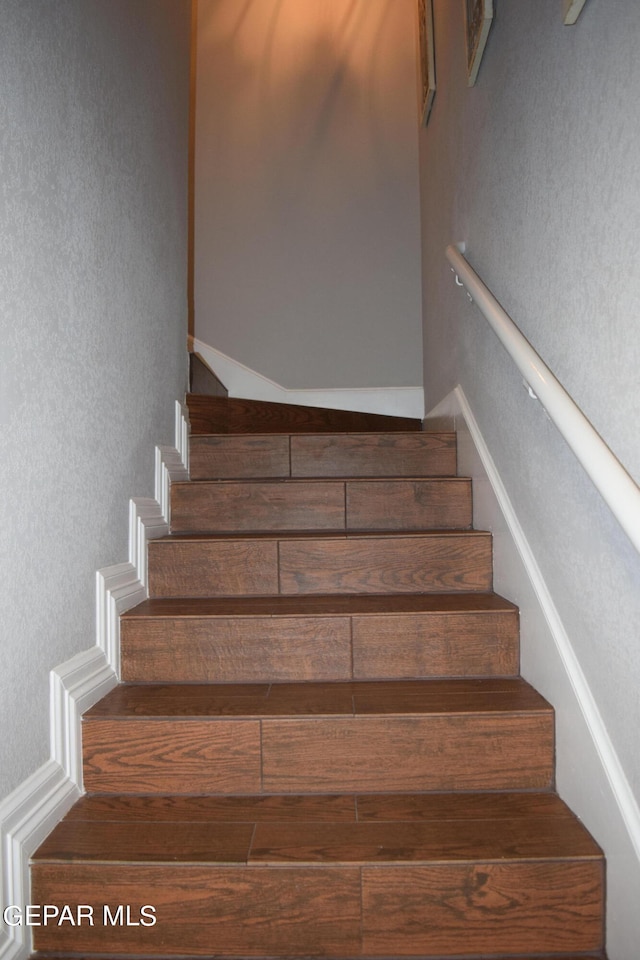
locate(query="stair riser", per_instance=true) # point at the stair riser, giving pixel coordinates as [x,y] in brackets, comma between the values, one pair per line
[482,751]
[332,911]
[342,455]
[376,455]
[280,649]
[321,505]
[226,415]
[489,907]
[429,564]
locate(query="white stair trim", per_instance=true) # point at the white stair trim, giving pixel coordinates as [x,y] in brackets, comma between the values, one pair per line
[242,381]
[75,686]
[26,817]
[30,813]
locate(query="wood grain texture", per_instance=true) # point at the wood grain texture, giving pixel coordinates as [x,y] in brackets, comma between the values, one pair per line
[229,506]
[408,504]
[319,842]
[461,806]
[327,751]
[434,807]
[192,648]
[327,605]
[147,842]
[591,955]
[319,737]
[257,505]
[497,695]
[375,455]
[441,841]
[475,752]
[470,689]
[436,644]
[227,415]
[210,568]
[228,809]
[493,908]
[224,700]
[222,911]
[171,756]
[422,564]
[418,701]
[206,566]
[227,649]
[192,700]
[230,457]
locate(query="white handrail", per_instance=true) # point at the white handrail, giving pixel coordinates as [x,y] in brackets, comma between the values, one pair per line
[615,485]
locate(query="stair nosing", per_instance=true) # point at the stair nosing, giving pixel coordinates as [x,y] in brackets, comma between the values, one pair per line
[430,600]
[262,702]
[287,480]
[450,533]
[449,434]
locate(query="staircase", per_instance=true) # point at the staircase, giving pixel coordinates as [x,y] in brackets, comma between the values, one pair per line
[321,747]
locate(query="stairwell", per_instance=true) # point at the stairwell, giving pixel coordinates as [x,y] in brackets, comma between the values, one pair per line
[322,745]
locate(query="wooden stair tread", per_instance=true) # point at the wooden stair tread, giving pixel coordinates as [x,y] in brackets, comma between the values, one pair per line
[347,699]
[232,809]
[482,833]
[368,843]
[337,808]
[368,436]
[229,482]
[210,414]
[319,606]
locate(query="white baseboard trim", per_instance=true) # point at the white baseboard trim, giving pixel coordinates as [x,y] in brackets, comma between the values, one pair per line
[242,381]
[171,466]
[75,686]
[29,813]
[26,817]
[589,773]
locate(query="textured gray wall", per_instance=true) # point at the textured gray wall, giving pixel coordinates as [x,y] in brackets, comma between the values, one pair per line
[93,177]
[307,240]
[536,168]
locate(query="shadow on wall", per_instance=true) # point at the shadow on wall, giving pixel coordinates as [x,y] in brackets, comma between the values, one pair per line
[307,246]
[307,75]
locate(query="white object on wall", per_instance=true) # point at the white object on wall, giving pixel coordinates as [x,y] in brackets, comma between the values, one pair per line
[572,10]
[479,17]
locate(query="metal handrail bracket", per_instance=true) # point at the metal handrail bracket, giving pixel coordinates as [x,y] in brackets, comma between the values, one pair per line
[614,483]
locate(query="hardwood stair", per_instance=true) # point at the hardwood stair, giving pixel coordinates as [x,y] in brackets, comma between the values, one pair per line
[336,505]
[321,746]
[319,737]
[322,455]
[226,415]
[343,637]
